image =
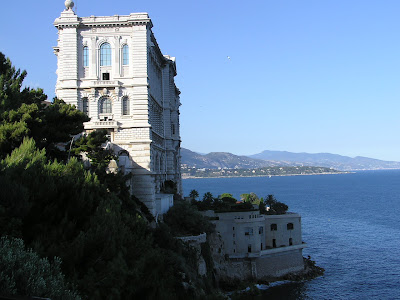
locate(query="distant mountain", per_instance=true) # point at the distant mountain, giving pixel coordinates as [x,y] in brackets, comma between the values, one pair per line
[335,161]
[224,160]
[215,160]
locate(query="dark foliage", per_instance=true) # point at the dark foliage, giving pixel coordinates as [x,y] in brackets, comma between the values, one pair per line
[23,272]
[84,216]
[184,219]
[275,207]
[23,113]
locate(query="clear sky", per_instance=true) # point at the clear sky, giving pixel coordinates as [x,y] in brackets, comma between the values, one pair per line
[300,76]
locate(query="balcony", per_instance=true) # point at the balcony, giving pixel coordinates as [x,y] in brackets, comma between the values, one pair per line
[105,124]
[105,121]
[105,83]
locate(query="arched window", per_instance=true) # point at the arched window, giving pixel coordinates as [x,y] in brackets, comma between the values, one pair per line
[85,56]
[105,105]
[125,106]
[105,54]
[85,105]
[125,55]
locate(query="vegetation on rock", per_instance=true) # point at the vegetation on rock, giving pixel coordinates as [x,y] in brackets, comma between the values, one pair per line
[23,272]
[226,202]
[82,215]
[184,219]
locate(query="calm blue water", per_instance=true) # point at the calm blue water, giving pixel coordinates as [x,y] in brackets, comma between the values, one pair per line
[351,223]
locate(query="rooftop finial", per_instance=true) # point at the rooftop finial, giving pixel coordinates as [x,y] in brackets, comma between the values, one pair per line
[69,4]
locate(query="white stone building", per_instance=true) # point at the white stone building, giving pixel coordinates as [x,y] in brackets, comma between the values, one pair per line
[112,69]
[257,245]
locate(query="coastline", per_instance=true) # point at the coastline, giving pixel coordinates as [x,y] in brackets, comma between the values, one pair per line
[252,287]
[230,176]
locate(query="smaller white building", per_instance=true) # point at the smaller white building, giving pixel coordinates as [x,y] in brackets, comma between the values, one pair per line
[260,246]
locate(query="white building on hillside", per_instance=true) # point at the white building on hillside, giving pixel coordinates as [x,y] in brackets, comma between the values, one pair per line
[112,69]
[257,245]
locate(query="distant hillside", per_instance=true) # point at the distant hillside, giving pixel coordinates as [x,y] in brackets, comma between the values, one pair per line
[224,160]
[338,162]
[215,160]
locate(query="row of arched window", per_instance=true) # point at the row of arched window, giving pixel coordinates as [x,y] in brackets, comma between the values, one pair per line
[105,55]
[105,105]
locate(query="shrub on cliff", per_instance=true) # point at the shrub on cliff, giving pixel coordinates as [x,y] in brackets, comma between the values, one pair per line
[275,207]
[85,217]
[184,219]
[23,272]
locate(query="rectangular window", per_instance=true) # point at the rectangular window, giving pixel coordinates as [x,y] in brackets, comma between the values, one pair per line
[290,226]
[85,56]
[85,105]
[106,76]
[125,55]
[248,231]
[261,230]
[125,106]
[274,227]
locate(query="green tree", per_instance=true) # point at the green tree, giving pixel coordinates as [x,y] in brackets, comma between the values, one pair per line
[68,213]
[262,206]
[23,272]
[207,202]
[275,207]
[184,219]
[84,216]
[23,113]
[194,194]
[92,145]
[224,202]
[226,195]
[107,248]
[251,198]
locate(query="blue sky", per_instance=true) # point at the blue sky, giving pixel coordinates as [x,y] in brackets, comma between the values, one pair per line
[303,76]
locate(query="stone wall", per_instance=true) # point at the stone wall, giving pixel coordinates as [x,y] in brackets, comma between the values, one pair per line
[268,265]
[279,264]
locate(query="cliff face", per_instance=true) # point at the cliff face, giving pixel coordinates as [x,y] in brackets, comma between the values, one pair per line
[196,242]
[227,270]
[281,264]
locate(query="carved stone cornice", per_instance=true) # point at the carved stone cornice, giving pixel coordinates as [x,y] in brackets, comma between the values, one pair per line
[117,21]
[69,19]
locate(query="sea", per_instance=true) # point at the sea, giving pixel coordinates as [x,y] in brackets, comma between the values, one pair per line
[350,222]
